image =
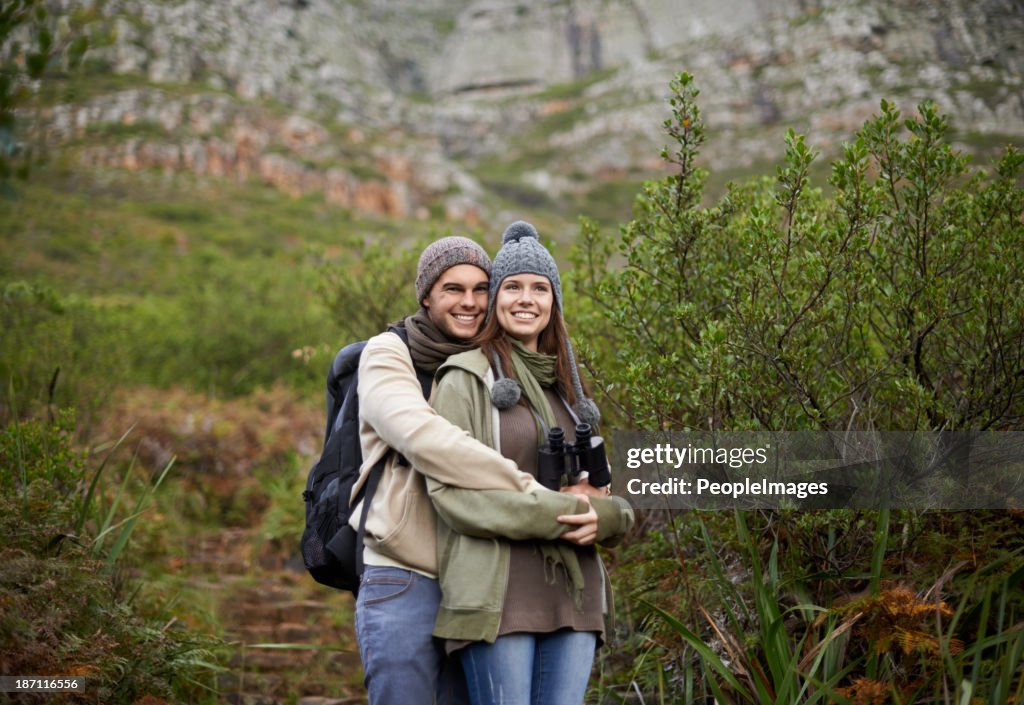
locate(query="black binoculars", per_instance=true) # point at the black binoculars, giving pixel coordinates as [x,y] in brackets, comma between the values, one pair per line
[558,459]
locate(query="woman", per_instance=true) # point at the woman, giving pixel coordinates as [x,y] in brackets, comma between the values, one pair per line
[525,616]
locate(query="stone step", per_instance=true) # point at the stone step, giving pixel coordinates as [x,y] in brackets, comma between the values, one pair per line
[251,633]
[283,607]
[267,591]
[278,633]
[264,660]
[237,682]
[291,633]
[297,611]
[251,699]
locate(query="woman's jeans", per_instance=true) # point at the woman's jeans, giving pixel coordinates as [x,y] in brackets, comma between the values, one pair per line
[402,663]
[530,669]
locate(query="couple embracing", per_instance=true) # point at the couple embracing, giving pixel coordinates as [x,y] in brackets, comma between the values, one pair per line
[480,584]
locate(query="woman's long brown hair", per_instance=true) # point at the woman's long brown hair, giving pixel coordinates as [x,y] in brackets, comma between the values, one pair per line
[553,340]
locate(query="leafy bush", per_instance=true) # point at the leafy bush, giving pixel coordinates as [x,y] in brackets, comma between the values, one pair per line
[113,297]
[228,331]
[51,355]
[373,288]
[66,610]
[888,302]
[733,620]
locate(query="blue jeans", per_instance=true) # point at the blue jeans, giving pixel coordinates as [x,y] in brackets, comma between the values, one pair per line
[402,663]
[530,669]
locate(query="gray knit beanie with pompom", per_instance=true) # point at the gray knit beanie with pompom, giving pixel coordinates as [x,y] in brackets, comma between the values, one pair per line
[522,253]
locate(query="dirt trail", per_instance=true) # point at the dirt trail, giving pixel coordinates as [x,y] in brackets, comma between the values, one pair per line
[271,610]
[292,641]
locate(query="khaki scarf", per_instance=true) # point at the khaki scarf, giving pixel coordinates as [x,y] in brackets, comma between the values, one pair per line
[534,371]
[428,344]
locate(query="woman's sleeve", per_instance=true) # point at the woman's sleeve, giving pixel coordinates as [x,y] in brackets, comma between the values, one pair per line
[614,519]
[453,399]
[492,513]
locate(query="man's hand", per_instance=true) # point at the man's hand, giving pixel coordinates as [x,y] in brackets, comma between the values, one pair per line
[584,532]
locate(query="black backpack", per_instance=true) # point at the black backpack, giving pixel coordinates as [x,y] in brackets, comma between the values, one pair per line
[331,549]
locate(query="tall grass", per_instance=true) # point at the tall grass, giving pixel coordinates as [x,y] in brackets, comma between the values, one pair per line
[112,523]
[69,607]
[763,640]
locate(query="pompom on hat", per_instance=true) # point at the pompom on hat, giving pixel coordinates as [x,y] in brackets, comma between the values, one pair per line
[522,253]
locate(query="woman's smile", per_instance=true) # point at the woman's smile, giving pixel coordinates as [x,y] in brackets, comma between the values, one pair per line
[523,307]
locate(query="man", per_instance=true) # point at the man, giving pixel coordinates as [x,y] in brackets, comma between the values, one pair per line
[399,595]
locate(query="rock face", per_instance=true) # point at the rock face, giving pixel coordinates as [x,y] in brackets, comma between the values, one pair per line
[215,135]
[440,86]
[352,57]
[818,66]
[498,44]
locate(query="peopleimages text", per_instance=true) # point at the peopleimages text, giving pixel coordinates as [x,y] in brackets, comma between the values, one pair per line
[736,490]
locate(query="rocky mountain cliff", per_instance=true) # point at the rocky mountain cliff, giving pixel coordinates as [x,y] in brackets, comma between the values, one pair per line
[431,107]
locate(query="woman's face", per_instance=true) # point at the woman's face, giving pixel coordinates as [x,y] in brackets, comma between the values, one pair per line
[523,307]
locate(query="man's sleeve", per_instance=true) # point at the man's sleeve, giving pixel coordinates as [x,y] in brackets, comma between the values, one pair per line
[391,401]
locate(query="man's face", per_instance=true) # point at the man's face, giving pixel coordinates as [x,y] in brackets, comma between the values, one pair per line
[458,301]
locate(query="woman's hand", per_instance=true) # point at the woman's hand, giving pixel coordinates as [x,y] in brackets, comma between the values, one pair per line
[585,531]
[585,488]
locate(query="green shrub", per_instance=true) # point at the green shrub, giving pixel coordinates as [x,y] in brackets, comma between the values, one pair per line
[184,293]
[887,303]
[739,619]
[50,354]
[372,287]
[65,609]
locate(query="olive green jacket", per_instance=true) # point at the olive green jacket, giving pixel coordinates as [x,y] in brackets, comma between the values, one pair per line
[475,525]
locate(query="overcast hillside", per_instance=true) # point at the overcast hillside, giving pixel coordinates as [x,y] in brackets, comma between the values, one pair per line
[458,108]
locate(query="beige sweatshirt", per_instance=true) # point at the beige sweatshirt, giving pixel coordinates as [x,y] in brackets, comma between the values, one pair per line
[401,528]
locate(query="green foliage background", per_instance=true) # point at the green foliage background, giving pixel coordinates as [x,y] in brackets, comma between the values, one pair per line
[884,301]
[886,298]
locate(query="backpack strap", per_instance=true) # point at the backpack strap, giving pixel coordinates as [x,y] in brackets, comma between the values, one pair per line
[426,380]
[369,489]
